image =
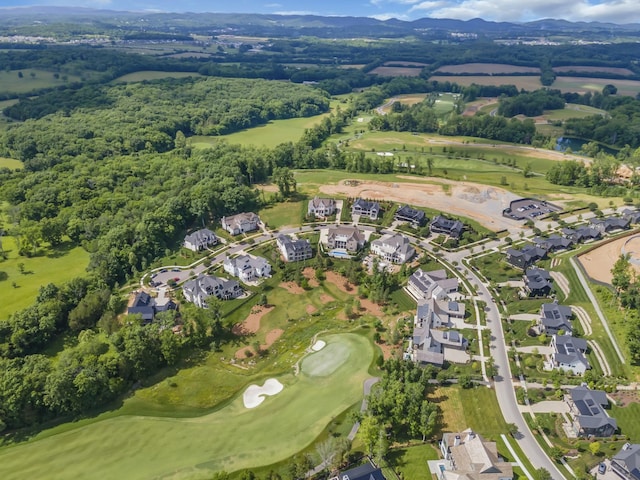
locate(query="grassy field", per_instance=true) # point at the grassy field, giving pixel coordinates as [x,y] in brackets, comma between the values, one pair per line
[269,135]
[411,462]
[409,99]
[152,75]
[520,81]
[284,214]
[10,82]
[585,84]
[628,418]
[572,110]
[55,265]
[397,71]
[486,68]
[231,438]
[10,163]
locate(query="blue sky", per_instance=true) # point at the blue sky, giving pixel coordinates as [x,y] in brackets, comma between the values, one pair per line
[617,11]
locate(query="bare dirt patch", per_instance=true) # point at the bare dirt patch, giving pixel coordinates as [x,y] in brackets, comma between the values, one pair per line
[624,398]
[292,287]
[310,309]
[271,337]
[310,274]
[370,307]
[388,351]
[251,324]
[324,298]
[487,68]
[483,204]
[340,282]
[598,262]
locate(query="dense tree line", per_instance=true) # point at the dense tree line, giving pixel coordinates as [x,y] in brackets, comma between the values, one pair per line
[147,116]
[531,104]
[575,173]
[398,408]
[627,289]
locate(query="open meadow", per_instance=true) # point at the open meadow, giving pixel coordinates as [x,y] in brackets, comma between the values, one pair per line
[32,79]
[152,75]
[21,277]
[231,438]
[587,84]
[520,81]
[486,69]
[10,163]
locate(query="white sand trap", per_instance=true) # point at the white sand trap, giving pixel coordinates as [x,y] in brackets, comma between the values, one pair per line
[254,395]
[319,345]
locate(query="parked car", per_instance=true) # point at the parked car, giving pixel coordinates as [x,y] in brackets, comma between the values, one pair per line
[602,468]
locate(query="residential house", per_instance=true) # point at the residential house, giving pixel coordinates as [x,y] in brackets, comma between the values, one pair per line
[555,318]
[394,248]
[364,472]
[610,224]
[553,243]
[587,407]
[200,240]
[434,284]
[247,268]
[430,343]
[416,218]
[294,250]
[632,215]
[568,354]
[198,289]
[146,306]
[344,237]
[581,234]
[241,223]
[537,282]
[525,257]
[365,208]
[626,463]
[321,207]
[468,456]
[446,226]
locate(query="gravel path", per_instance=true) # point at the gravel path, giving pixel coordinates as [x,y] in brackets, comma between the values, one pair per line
[562,283]
[584,319]
[602,360]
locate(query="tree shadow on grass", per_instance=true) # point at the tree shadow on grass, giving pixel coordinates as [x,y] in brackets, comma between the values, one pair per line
[60,250]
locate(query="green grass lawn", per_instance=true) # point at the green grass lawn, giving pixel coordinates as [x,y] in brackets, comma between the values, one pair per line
[572,110]
[10,163]
[55,265]
[411,461]
[273,133]
[228,439]
[10,82]
[152,75]
[283,214]
[628,418]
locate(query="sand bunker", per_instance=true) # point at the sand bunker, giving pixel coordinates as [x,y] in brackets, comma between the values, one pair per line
[319,345]
[254,395]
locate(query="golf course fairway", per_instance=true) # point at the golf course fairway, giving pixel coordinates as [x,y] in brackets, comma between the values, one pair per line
[232,438]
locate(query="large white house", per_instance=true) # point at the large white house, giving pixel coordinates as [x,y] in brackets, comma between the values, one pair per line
[247,268]
[344,237]
[321,207]
[200,240]
[241,223]
[394,248]
[199,289]
[425,285]
[568,354]
[468,456]
[294,250]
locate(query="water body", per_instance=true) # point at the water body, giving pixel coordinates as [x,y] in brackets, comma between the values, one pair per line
[575,144]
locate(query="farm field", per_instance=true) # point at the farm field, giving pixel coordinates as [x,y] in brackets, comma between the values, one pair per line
[520,81]
[273,133]
[56,265]
[594,69]
[10,82]
[486,68]
[396,71]
[231,438]
[572,110]
[152,75]
[584,84]
[404,63]
[409,99]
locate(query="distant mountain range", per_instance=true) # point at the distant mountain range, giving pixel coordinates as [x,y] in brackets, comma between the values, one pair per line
[302,24]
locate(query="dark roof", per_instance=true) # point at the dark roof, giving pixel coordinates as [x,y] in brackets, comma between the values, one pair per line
[363,472]
[406,212]
[537,278]
[454,227]
[529,252]
[366,204]
[554,242]
[629,456]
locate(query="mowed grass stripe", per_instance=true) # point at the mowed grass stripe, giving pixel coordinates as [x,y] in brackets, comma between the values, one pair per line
[229,439]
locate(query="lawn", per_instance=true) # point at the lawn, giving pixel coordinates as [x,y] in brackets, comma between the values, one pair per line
[290,213]
[269,135]
[628,418]
[592,84]
[411,462]
[55,265]
[152,75]
[572,110]
[521,81]
[10,81]
[10,163]
[228,439]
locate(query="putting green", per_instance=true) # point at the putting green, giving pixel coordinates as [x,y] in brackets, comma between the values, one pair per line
[327,360]
[231,438]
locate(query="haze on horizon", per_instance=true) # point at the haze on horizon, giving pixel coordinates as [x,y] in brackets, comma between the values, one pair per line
[614,11]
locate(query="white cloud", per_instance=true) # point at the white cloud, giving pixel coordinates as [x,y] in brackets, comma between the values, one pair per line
[618,11]
[387,16]
[298,12]
[273,5]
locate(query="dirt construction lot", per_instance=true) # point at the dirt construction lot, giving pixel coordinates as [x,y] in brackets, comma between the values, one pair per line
[479,202]
[598,263]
